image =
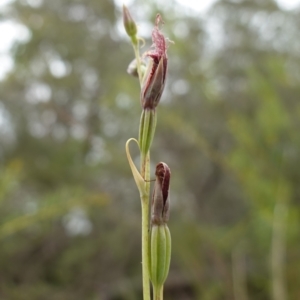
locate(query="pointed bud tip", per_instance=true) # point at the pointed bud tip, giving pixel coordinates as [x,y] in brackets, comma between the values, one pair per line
[129,24]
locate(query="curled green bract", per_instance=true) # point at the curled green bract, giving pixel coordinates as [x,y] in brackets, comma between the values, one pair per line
[139,180]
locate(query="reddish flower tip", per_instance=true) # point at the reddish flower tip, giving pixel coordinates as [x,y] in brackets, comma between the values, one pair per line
[154,82]
[158,39]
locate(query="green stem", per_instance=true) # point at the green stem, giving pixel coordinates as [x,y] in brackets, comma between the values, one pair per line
[145,172]
[138,60]
[158,293]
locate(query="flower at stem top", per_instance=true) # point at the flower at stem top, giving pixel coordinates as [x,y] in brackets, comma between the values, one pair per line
[154,79]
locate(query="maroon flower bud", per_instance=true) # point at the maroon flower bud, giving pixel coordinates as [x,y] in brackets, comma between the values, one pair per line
[160,202]
[154,80]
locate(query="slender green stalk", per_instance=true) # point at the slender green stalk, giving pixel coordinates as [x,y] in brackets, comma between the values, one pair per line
[138,60]
[158,293]
[150,96]
[145,172]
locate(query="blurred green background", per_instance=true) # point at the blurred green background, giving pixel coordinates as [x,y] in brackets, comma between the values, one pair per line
[228,127]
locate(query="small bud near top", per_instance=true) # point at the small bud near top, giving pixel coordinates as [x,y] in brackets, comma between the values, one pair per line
[154,80]
[129,24]
[132,68]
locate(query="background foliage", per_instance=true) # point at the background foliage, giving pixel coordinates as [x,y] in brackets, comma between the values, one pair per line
[228,127]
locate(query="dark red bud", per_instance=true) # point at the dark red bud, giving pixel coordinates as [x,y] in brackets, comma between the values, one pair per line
[161,201]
